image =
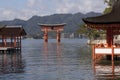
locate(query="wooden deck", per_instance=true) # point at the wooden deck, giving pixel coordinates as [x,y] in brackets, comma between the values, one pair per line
[6,48]
[9,46]
[9,50]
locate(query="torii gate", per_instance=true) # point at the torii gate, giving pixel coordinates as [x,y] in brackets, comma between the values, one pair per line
[52,27]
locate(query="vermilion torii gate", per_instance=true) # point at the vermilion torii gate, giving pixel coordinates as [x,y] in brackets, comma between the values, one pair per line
[52,27]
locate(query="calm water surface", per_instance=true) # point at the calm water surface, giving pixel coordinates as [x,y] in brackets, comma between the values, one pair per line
[68,60]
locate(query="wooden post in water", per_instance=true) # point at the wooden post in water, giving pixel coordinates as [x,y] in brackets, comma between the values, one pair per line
[5,42]
[58,36]
[112,58]
[93,52]
[11,41]
[20,44]
[14,42]
[46,35]
[2,41]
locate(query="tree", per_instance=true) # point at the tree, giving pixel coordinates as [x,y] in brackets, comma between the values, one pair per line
[107,10]
[93,33]
[89,32]
[110,4]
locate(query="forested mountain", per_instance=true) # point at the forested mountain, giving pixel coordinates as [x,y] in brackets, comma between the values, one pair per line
[31,25]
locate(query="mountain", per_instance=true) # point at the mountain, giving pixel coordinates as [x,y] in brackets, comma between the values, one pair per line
[31,26]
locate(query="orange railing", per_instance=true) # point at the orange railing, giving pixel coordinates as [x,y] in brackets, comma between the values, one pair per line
[103,49]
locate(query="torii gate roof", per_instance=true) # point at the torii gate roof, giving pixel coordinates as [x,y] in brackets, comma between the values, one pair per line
[52,25]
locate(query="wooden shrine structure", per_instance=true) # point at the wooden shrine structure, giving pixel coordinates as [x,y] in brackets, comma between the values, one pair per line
[52,27]
[111,24]
[11,37]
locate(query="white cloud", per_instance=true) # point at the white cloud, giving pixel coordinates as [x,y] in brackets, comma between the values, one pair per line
[81,6]
[7,14]
[31,3]
[10,14]
[47,7]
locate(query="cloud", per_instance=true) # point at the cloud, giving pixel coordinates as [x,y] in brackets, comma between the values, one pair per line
[31,3]
[10,14]
[70,6]
[48,7]
[6,14]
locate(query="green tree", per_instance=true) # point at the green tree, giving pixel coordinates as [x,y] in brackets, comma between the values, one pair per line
[93,33]
[107,10]
[110,4]
[2,26]
[89,32]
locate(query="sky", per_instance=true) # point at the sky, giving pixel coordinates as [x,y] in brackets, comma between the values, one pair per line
[25,9]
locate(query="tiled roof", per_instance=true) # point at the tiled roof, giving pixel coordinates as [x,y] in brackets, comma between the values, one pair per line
[12,31]
[52,25]
[110,18]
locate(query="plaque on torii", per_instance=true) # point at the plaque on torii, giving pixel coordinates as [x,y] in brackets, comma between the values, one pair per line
[52,27]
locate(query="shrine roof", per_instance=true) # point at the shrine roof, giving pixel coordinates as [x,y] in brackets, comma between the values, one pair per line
[111,18]
[12,31]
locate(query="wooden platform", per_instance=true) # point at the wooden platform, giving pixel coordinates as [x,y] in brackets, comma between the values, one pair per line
[6,48]
[113,51]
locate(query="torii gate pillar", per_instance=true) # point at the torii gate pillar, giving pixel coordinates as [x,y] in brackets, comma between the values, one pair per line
[45,35]
[58,36]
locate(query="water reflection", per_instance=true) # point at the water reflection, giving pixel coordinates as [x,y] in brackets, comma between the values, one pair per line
[59,55]
[66,62]
[11,62]
[50,49]
[52,55]
[45,50]
[106,70]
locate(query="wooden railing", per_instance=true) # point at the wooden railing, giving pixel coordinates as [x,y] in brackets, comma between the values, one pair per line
[104,50]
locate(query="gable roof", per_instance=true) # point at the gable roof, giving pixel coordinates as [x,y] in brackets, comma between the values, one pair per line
[13,31]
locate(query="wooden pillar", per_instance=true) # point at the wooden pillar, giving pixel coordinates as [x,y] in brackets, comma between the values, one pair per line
[109,37]
[17,43]
[109,41]
[58,36]
[11,41]
[14,41]
[2,41]
[20,43]
[46,35]
[5,43]
[93,52]
[112,58]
